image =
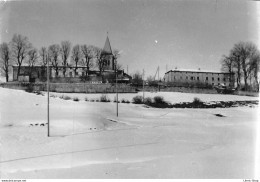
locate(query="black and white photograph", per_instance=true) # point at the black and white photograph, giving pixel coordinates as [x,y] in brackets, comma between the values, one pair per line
[129,89]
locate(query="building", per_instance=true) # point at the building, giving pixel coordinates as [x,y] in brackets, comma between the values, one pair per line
[199,78]
[80,74]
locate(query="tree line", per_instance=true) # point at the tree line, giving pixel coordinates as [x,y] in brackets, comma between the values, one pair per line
[20,51]
[243,61]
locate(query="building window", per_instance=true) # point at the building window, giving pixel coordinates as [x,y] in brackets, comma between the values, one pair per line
[224,79]
[186,78]
[191,77]
[70,74]
[181,77]
[198,78]
[207,78]
[76,73]
[218,79]
[212,78]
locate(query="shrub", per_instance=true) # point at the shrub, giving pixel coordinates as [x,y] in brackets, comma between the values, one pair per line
[38,92]
[29,89]
[76,99]
[138,99]
[197,100]
[197,103]
[123,101]
[65,97]
[115,99]
[104,98]
[148,100]
[159,100]
[127,101]
[92,100]
[86,99]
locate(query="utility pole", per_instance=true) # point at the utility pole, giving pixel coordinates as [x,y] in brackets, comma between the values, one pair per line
[143,85]
[116,92]
[158,73]
[48,98]
[158,78]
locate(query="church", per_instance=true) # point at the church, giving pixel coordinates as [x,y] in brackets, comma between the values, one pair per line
[104,72]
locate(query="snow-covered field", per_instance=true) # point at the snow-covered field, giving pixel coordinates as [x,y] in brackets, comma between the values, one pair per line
[89,141]
[172,97]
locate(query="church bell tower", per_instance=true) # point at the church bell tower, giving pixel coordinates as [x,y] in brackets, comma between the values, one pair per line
[108,56]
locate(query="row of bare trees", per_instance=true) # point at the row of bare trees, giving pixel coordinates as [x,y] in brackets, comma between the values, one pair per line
[244,61]
[19,51]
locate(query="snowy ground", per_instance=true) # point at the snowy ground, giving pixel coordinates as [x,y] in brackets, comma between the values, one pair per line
[89,141]
[172,97]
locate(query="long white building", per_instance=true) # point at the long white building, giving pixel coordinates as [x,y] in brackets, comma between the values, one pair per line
[182,77]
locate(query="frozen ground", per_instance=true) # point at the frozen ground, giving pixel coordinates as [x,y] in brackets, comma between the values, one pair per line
[88,141]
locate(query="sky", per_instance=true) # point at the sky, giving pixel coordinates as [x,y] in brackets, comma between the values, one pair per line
[149,33]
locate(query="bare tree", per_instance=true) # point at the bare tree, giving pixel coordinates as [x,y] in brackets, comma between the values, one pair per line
[254,68]
[20,48]
[32,59]
[65,52]
[150,80]
[76,56]
[5,54]
[119,66]
[88,54]
[237,66]
[137,78]
[43,54]
[100,60]
[227,64]
[54,53]
[116,55]
[245,51]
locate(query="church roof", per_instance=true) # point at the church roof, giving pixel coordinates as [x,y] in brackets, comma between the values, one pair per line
[107,48]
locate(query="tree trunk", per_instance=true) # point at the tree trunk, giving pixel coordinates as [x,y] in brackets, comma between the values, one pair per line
[56,72]
[245,79]
[18,71]
[6,77]
[75,71]
[87,70]
[64,71]
[257,83]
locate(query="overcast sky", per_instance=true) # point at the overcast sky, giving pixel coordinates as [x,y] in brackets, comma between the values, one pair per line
[177,33]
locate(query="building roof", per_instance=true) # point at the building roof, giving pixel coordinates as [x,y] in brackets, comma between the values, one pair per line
[107,48]
[195,71]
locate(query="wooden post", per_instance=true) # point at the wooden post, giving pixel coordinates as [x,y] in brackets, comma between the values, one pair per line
[116,93]
[143,85]
[48,98]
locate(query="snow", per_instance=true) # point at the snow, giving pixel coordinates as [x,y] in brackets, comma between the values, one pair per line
[172,97]
[89,141]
